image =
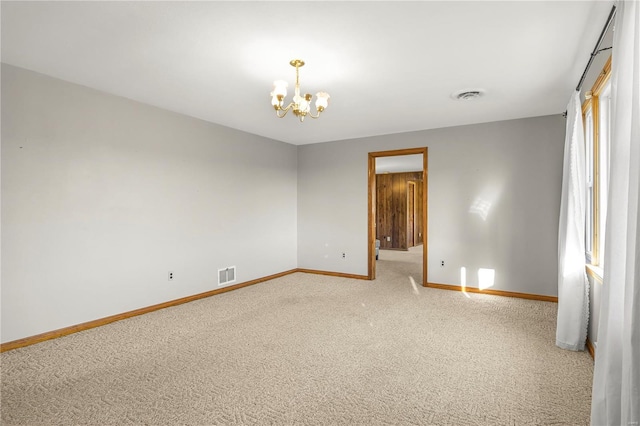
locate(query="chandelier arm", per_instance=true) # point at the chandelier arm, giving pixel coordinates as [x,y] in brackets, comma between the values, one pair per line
[314,116]
[281,116]
[284,110]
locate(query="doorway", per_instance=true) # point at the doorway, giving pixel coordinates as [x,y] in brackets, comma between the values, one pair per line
[422,209]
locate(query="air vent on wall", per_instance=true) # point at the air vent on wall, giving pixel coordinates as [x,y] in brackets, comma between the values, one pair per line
[226,275]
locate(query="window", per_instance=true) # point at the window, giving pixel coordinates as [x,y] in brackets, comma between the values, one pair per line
[604,118]
[596,111]
[589,233]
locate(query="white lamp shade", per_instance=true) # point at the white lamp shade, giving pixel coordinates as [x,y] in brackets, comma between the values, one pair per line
[280,88]
[274,100]
[322,100]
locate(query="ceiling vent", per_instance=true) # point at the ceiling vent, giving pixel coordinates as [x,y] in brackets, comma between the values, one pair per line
[467,95]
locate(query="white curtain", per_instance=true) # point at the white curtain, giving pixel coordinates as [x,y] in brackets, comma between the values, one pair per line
[616,381]
[573,286]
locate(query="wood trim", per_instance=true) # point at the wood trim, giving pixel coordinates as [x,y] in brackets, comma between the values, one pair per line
[602,79]
[371,210]
[593,104]
[529,296]
[425,214]
[597,88]
[397,152]
[27,341]
[332,274]
[411,212]
[591,349]
[371,272]
[596,276]
[586,105]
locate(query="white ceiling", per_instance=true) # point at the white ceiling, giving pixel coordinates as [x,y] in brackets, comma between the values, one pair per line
[389,67]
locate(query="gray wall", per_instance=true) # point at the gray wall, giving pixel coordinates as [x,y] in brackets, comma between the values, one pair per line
[102,196]
[514,168]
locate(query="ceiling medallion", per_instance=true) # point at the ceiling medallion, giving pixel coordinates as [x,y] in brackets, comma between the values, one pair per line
[301,105]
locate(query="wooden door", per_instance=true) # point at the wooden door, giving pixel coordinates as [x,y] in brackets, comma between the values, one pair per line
[411,214]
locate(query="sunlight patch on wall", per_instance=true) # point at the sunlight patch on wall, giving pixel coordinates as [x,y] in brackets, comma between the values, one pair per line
[482,204]
[480,207]
[486,278]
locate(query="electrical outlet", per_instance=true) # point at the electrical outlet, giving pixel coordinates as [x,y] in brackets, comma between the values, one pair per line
[344,255]
[170,276]
[442,263]
[388,238]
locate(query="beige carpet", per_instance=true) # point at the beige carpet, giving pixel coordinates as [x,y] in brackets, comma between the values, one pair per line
[399,263]
[309,349]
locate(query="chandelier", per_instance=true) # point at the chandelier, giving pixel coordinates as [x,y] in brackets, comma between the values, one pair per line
[301,105]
